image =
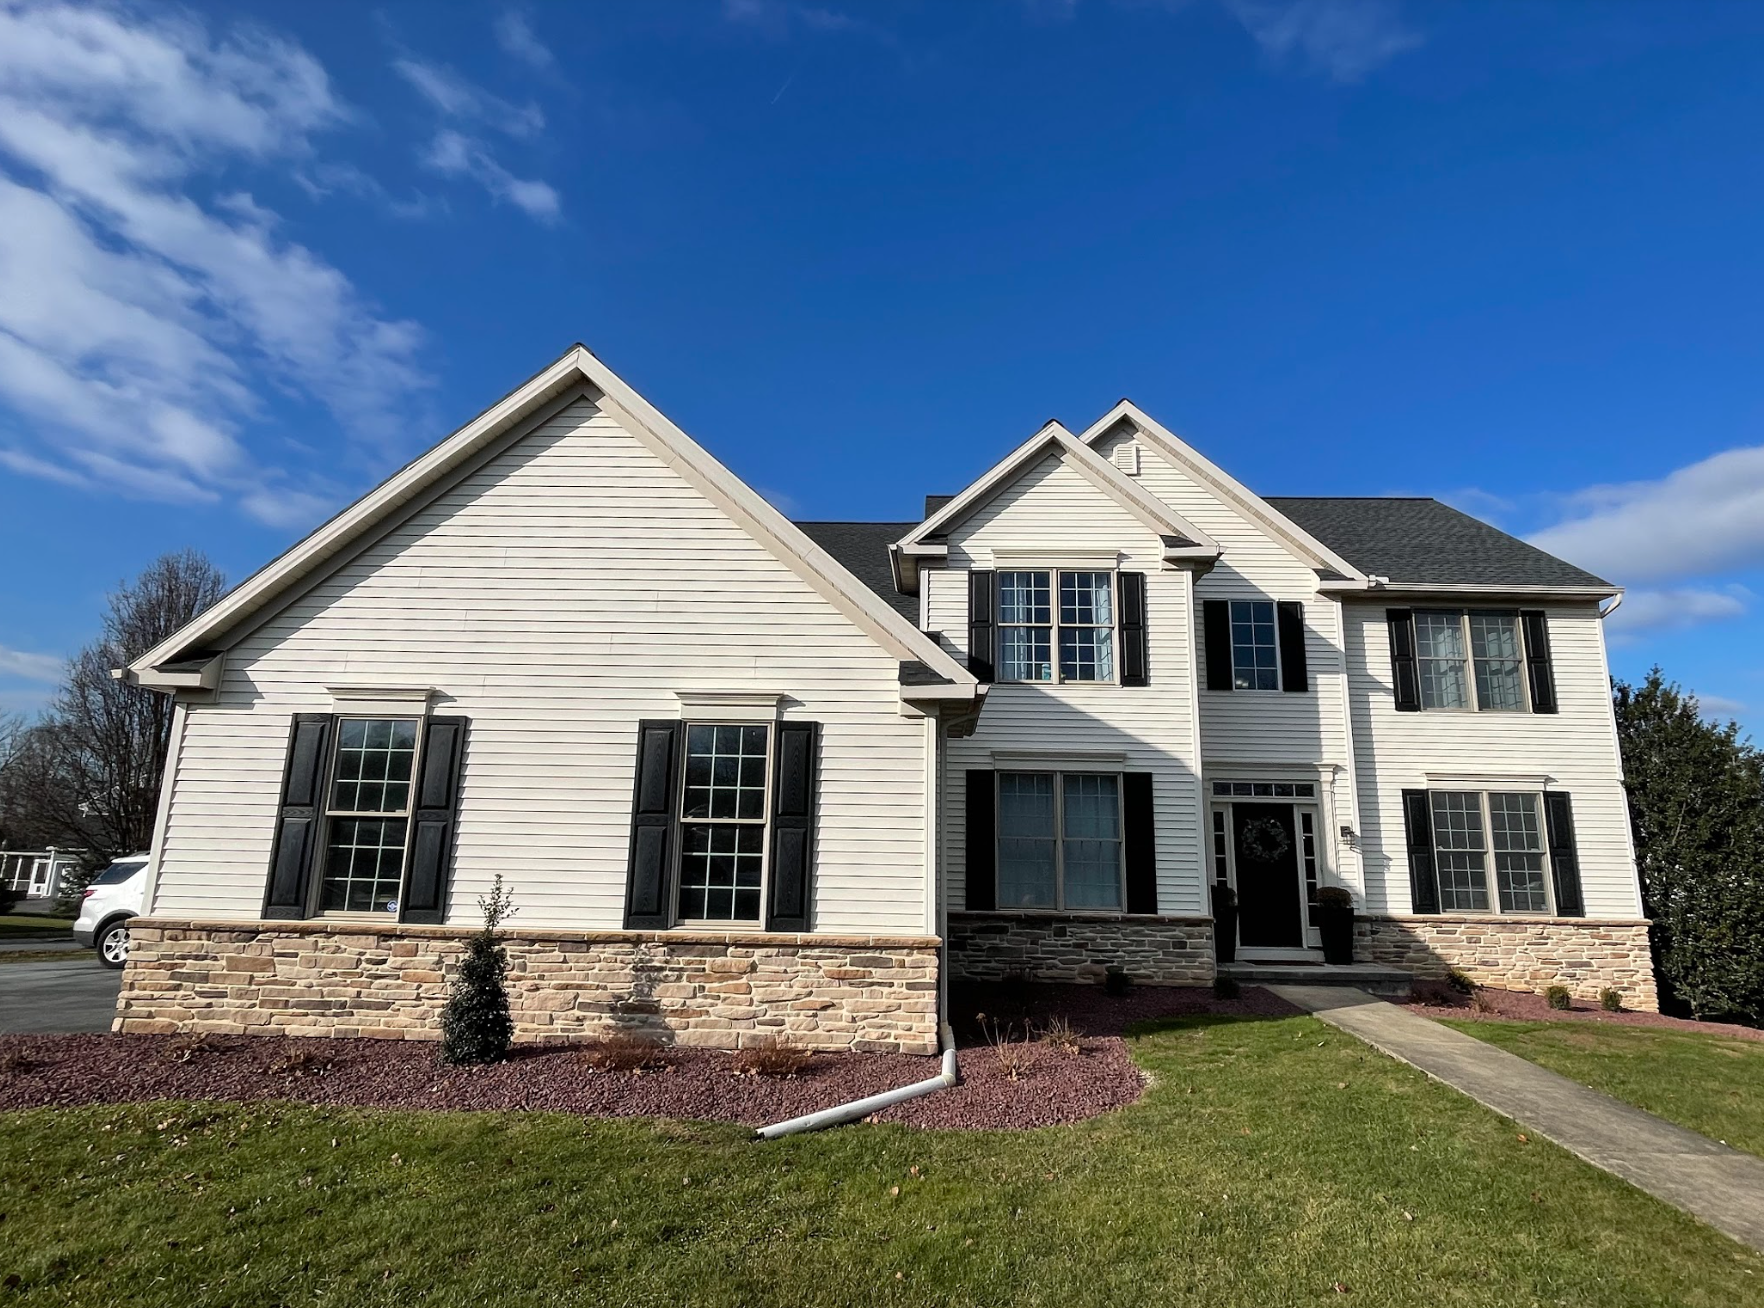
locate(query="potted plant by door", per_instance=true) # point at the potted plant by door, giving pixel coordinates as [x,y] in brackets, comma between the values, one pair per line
[1224,923]
[1335,920]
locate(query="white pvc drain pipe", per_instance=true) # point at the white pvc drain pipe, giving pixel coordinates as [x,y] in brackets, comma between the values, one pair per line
[859,1108]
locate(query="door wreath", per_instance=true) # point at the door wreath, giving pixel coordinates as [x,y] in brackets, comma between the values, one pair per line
[1265,840]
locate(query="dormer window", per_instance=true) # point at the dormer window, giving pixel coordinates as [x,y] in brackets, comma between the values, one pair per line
[1032,628]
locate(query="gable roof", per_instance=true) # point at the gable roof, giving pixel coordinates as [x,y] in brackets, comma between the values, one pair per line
[1181,538]
[1178,451]
[862,547]
[1421,542]
[170,664]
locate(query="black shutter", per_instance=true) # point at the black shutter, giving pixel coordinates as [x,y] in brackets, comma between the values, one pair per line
[295,851]
[1294,675]
[1216,624]
[1139,842]
[1135,670]
[1423,879]
[1564,857]
[982,863]
[1405,677]
[432,822]
[650,866]
[982,633]
[793,826]
[1538,669]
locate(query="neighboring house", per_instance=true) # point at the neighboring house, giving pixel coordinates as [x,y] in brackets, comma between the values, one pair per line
[744,776]
[37,876]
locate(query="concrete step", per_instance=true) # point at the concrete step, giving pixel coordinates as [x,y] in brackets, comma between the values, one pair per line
[1390,982]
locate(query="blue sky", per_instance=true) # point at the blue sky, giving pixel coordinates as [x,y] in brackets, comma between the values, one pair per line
[255,256]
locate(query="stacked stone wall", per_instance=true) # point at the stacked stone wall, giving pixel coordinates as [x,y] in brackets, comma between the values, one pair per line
[1158,951]
[724,990]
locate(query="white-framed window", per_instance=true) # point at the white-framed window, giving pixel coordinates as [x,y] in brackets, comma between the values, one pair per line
[1470,659]
[724,803]
[367,814]
[1255,646]
[1471,827]
[1033,628]
[1059,841]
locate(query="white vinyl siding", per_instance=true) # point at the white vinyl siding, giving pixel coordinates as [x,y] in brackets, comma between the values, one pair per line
[557,595]
[1142,728]
[1574,748]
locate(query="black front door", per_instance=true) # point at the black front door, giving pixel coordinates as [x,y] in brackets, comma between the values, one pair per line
[1267,877]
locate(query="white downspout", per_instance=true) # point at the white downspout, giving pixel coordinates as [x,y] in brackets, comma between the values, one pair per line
[860,1108]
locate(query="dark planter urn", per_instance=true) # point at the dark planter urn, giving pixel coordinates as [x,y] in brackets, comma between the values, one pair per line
[1224,923]
[1335,922]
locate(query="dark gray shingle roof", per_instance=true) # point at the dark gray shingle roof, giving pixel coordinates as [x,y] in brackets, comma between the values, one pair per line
[1426,542]
[863,548]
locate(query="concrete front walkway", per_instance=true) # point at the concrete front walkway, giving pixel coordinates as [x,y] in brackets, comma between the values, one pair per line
[1722,1186]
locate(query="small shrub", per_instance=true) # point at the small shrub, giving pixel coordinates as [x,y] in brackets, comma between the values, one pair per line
[1012,1054]
[302,1062]
[1334,897]
[1557,997]
[475,1025]
[770,1056]
[9,897]
[1611,1000]
[1116,981]
[1436,994]
[16,1062]
[625,1051]
[1058,1034]
[1480,1002]
[182,1049]
[1460,981]
[1225,987]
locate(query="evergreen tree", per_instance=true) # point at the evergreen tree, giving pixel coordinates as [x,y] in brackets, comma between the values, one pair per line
[1696,805]
[475,1025]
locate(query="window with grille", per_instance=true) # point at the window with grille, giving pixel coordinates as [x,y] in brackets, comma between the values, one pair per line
[1470,659]
[1255,646]
[1471,829]
[1054,623]
[723,822]
[367,814]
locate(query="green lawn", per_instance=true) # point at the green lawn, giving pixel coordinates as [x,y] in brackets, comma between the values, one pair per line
[1272,1161]
[13,925]
[1710,1083]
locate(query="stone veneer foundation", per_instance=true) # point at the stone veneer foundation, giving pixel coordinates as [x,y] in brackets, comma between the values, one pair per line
[1585,954]
[1157,951]
[724,990]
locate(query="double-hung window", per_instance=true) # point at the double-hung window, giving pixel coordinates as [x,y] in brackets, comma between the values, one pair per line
[367,815]
[1059,840]
[1470,660]
[723,822]
[1472,827]
[1032,627]
[1255,647]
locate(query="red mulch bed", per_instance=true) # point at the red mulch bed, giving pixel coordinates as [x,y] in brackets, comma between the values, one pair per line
[1523,1006]
[1051,1087]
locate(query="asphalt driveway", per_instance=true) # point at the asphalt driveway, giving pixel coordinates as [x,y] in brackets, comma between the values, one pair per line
[71,994]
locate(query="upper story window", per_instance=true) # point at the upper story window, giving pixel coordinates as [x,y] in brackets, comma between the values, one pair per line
[1059,840]
[367,813]
[1255,647]
[1470,659]
[723,822]
[1031,627]
[1472,827]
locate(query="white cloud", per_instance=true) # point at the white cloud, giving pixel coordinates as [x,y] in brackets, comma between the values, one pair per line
[1719,706]
[514,33]
[1345,39]
[31,667]
[140,322]
[462,156]
[1701,520]
[776,19]
[1674,608]
[457,153]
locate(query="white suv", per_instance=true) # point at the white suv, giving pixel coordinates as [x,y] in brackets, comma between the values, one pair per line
[113,897]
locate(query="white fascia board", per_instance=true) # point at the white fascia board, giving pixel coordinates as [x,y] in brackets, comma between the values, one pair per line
[190,676]
[427,476]
[1464,591]
[1052,439]
[1179,451]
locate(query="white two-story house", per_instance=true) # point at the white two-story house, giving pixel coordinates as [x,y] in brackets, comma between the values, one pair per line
[749,777]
